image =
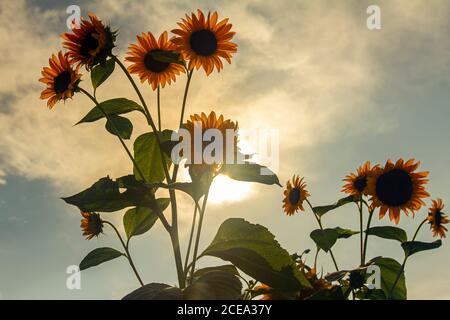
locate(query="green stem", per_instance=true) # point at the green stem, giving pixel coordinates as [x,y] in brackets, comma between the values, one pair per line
[199,230]
[158,98]
[367,236]
[361,236]
[173,231]
[315,257]
[402,268]
[191,236]
[321,228]
[127,252]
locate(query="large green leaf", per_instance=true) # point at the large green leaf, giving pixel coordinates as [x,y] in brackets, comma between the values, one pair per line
[388,232]
[139,220]
[119,126]
[101,72]
[254,250]
[321,210]
[412,247]
[98,256]
[155,291]
[110,107]
[105,196]
[250,172]
[147,155]
[227,267]
[325,239]
[389,269]
[214,285]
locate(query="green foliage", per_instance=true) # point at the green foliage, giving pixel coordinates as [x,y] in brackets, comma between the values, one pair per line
[412,247]
[388,232]
[111,107]
[98,256]
[119,126]
[254,250]
[326,238]
[321,210]
[139,220]
[389,269]
[250,172]
[214,285]
[147,155]
[102,72]
[105,196]
[155,291]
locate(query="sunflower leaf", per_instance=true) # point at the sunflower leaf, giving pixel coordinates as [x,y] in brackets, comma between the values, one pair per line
[250,172]
[101,72]
[214,285]
[325,239]
[321,210]
[111,107]
[412,247]
[388,232]
[389,269]
[98,256]
[155,291]
[119,126]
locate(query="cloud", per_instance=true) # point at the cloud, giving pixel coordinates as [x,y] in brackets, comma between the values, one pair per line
[2,178]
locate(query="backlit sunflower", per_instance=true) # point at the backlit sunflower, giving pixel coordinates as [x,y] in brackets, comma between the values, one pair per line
[91,43]
[437,218]
[397,187]
[61,79]
[91,225]
[204,41]
[294,195]
[200,124]
[357,183]
[146,66]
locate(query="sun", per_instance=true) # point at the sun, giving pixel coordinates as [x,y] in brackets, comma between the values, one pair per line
[225,189]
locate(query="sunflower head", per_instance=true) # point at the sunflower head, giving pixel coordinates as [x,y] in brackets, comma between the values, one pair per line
[91,224]
[145,64]
[357,182]
[91,43]
[398,187]
[60,78]
[204,41]
[204,124]
[437,218]
[294,195]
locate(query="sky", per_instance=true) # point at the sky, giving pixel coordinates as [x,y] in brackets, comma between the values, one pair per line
[338,93]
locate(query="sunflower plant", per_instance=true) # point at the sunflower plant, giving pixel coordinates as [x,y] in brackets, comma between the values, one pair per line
[254,258]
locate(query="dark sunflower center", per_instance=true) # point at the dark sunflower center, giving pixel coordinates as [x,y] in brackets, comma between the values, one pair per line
[62,82]
[203,42]
[153,64]
[394,188]
[294,196]
[88,44]
[360,183]
[438,218]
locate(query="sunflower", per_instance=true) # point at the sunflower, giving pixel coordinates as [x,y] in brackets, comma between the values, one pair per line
[201,124]
[357,183]
[294,195]
[203,41]
[397,187]
[146,66]
[91,43]
[91,224]
[61,79]
[437,218]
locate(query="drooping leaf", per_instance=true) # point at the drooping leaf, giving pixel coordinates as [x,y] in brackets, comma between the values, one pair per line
[111,107]
[321,210]
[412,247]
[254,250]
[147,155]
[101,72]
[388,232]
[119,126]
[228,268]
[214,285]
[250,172]
[325,239]
[155,291]
[345,233]
[98,256]
[389,269]
[139,220]
[105,196]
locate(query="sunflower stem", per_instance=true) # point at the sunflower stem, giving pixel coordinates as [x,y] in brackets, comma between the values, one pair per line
[158,101]
[191,236]
[367,236]
[402,268]
[127,252]
[361,236]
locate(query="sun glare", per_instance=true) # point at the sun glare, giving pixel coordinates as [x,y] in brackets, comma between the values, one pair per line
[224,189]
